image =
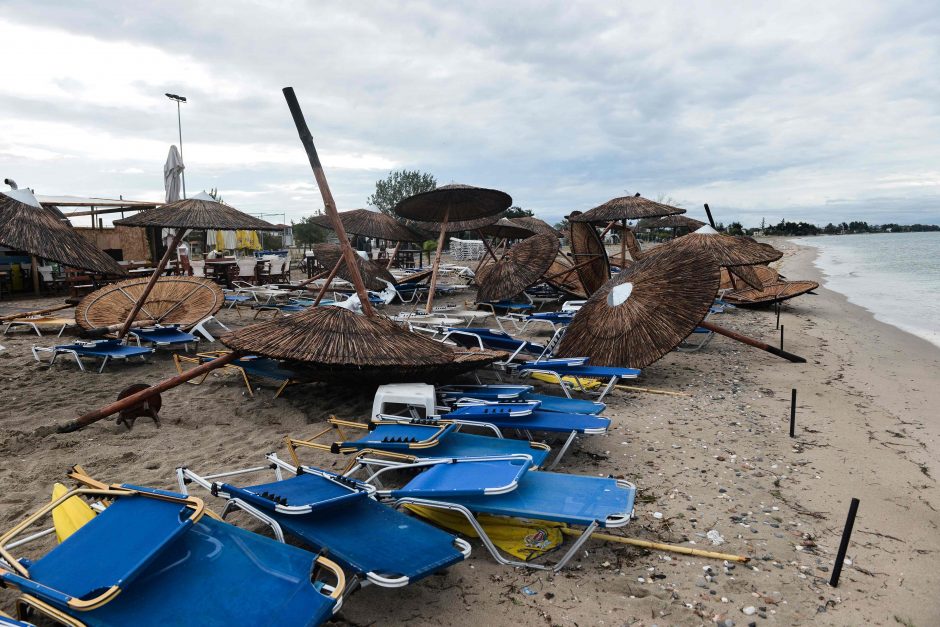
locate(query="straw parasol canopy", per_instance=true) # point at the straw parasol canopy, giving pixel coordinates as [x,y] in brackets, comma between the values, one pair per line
[589,254]
[372,224]
[432,229]
[626,208]
[770,293]
[522,266]
[674,221]
[199,212]
[373,274]
[644,312]
[506,229]
[28,226]
[563,276]
[764,274]
[725,250]
[183,300]
[458,202]
[535,225]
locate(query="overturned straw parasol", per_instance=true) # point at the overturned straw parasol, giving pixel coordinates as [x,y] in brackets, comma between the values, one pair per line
[199,212]
[522,266]
[563,276]
[769,294]
[183,300]
[644,312]
[28,226]
[504,229]
[725,250]
[535,225]
[589,254]
[373,274]
[451,202]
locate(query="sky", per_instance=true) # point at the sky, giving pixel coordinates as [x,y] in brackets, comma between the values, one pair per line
[798,110]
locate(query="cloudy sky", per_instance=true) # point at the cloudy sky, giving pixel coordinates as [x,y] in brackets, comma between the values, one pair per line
[814,111]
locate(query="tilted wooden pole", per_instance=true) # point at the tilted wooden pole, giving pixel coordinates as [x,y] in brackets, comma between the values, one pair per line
[567,271]
[36,312]
[138,398]
[752,342]
[391,258]
[328,203]
[329,279]
[437,261]
[659,546]
[153,281]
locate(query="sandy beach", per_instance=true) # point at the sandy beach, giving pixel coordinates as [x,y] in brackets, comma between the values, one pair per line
[717,458]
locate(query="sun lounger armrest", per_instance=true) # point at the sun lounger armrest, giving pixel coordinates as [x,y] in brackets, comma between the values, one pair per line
[340,586]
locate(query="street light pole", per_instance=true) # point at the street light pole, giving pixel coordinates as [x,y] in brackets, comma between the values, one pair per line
[179,123]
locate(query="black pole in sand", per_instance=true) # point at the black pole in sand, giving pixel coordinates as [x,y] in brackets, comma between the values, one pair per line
[793,413]
[844,545]
[777,307]
[781,337]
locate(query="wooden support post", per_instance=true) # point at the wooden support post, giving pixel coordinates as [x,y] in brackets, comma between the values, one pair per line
[139,397]
[329,279]
[37,312]
[328,203]
[35,272]
[437,262]
[391,258]
[751,342]
[153,281]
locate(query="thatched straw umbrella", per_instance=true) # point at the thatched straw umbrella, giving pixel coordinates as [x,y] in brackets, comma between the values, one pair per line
[373,274]
[522,266]
[374,224]
[626,208]
[563,276]
[725,250]
[769,294]
[28,226]
[589,253]
[183,300]
[199,212]
[503,229]
[535,225]
[644,312]
[451,202]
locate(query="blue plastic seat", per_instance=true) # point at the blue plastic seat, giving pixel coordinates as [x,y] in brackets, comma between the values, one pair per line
[538,420]
[565,405]
[105,350]
[164,336]
[484,392]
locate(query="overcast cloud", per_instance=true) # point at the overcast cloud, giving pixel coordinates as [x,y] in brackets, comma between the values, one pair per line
[814,111]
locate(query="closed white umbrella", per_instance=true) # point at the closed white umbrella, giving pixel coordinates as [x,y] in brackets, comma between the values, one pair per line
[172,171]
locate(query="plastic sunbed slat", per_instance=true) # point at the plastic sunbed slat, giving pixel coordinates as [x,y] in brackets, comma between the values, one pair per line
[218,575]
[366,536]
[571,499]
[478,478]
[565,405]
[113,548]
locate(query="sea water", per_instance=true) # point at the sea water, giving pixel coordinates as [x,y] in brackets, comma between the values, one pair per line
[896,276]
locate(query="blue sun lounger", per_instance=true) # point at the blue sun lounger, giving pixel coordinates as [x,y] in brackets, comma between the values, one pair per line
[105,350]
[164,336]
[420,439]
[569,500]
[612,374]
[456,393]
[151,558]
[248,366]
[6,621]
[371,541]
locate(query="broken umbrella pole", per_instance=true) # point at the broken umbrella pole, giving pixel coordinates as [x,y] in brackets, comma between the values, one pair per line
[752,342]
[139,398]
[157,273]
[35,312]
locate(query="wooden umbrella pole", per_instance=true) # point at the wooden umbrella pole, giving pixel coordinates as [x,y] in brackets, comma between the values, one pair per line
[623,245]
[391,258]
[153,281]
[634,388]
[36,312]
[315,277]
[328,203]
[437,262]
[571,269]
[329,280]
[607,228]
[138,398]
[34,266]
[659,546]
[488,249]
[752,342]
[114,328]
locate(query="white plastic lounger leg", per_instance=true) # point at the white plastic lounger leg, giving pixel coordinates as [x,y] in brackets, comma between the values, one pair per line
[564,449]
[608,388]
[234,503]
[104,362]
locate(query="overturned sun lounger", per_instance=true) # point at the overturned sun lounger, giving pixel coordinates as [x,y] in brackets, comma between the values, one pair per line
[152,557]
[105,350]
[371,541]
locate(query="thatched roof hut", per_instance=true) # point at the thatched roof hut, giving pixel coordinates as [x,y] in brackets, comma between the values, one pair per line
[27,226]
[198,212]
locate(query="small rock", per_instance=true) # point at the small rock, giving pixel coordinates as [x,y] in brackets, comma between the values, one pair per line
[658,515]
[750,610]
[700,583]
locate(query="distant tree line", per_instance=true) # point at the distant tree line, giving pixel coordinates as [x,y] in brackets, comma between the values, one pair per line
[785,227]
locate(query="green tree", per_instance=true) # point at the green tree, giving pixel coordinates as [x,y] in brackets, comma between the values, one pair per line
[398,185]
[735,228]
[518,212]
[307,232]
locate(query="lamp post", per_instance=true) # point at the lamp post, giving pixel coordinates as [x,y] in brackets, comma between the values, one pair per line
[179,123]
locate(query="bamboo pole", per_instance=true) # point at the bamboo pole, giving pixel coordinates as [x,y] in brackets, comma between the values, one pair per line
[391,258]
[36,312]
[752,342]
[634,388]
[328,203]
[153,281]
[138,398]
[437,261]
[659,546]
[571,269]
